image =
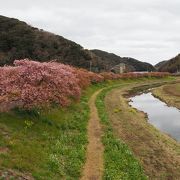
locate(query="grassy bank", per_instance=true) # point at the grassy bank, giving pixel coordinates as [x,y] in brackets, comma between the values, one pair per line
[169,93]
[119,161]
[48,144]
[51,144]
[156,152]
[45,144]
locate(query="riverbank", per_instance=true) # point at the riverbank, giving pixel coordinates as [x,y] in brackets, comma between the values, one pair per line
[170,94]
[157,152]
[165,118]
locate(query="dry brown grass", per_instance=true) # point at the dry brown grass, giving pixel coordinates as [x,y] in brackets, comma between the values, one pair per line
[169,93]
[158,153]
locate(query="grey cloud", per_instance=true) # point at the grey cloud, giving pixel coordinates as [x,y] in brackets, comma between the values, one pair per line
[143,29]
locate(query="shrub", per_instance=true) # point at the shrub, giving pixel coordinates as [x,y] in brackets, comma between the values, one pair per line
[36,84]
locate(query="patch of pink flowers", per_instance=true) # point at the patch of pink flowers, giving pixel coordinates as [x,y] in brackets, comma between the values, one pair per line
[39,84]
[30,83]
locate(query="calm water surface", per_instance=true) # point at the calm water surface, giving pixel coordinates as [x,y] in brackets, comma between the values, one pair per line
[165,118]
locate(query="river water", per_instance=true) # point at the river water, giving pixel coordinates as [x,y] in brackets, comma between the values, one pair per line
[166,119]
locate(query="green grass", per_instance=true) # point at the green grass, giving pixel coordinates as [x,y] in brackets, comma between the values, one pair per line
[48,144]
[120,162]
[51,144]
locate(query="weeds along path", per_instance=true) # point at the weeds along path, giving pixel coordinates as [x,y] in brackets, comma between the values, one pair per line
[93,168]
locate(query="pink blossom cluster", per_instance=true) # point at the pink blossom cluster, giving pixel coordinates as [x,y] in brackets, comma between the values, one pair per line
[30,83]
[38,84]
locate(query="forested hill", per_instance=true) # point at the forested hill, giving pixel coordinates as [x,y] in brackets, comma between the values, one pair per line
[112,59]
[19,40]
[158,65]
[172,65]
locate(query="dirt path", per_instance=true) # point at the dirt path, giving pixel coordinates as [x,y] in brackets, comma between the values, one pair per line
[93,168]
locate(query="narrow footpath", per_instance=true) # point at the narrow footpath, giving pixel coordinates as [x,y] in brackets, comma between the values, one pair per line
[93,168]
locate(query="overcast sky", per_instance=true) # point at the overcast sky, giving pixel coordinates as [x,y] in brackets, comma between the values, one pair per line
[148,30]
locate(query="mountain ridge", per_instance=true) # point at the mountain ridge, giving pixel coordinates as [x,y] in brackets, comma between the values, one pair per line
[18,40]
[132,64]
[172,65]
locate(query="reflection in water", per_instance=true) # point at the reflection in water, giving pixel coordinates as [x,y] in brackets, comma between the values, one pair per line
[160,115]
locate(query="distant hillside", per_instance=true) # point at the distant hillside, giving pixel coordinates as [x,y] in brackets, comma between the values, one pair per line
[158,65]
[172,65]
[111,60]
[19,40]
